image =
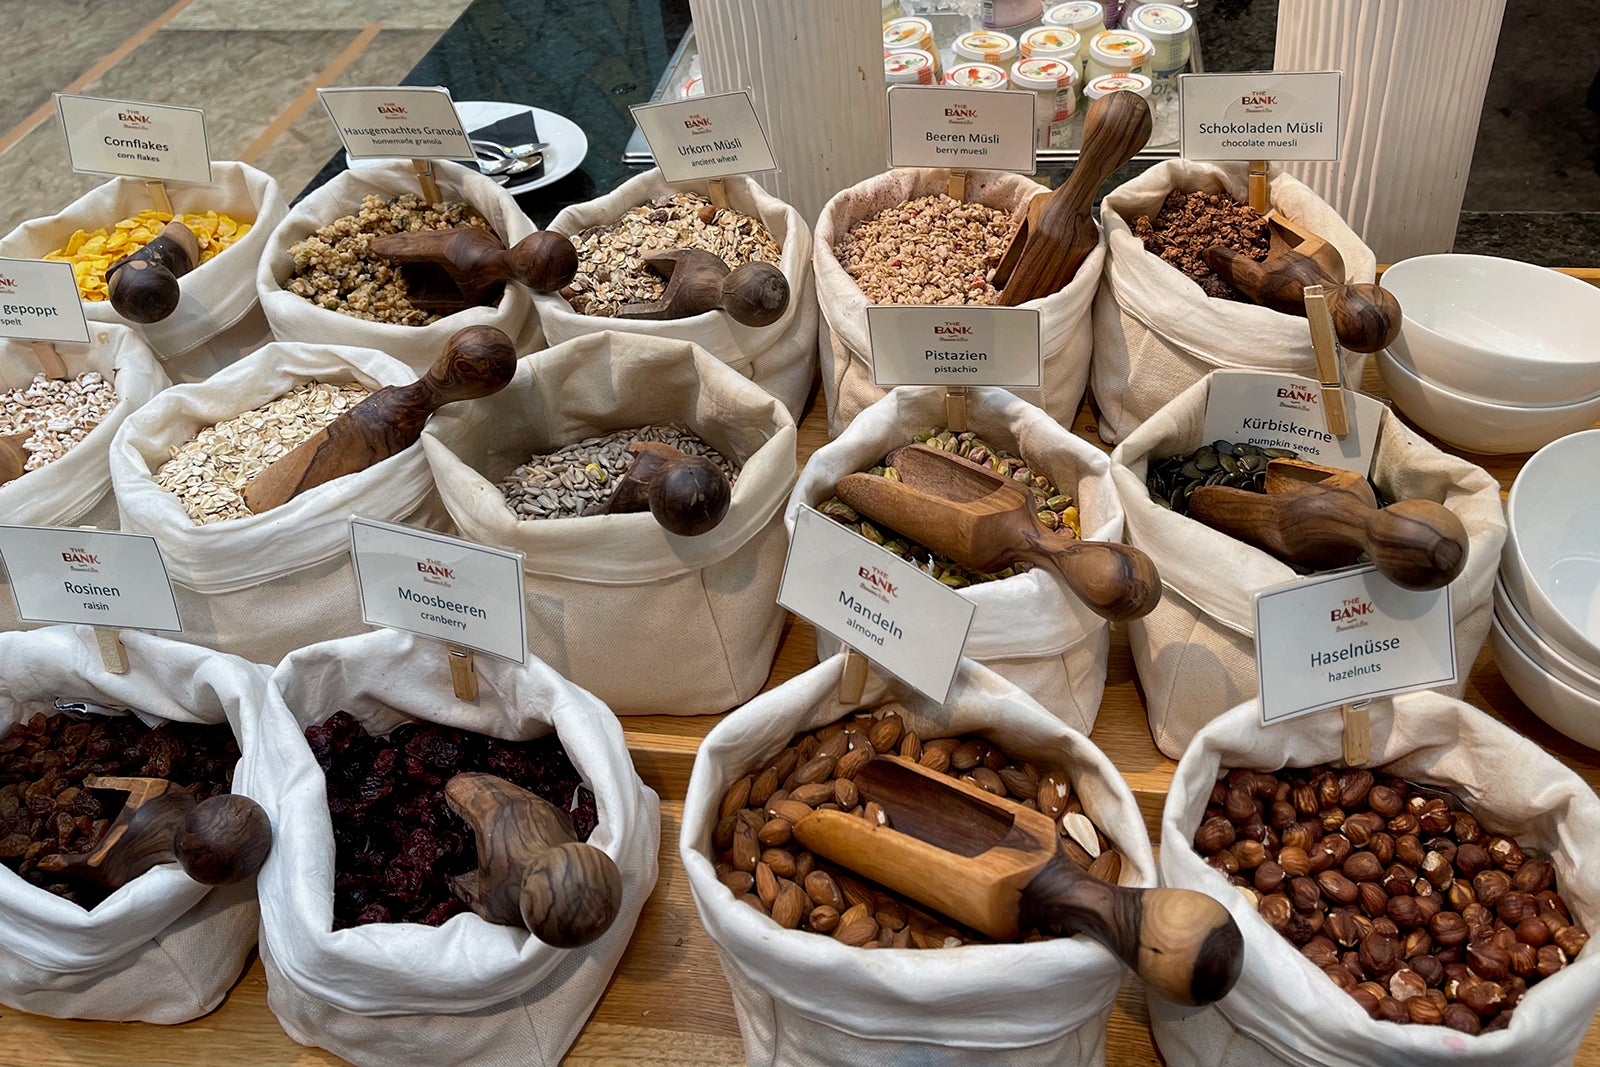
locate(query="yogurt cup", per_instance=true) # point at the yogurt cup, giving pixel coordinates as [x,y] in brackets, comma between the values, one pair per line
[977,76]
[1107,84]
[1118,52]
[1167,26]
[987,46]
[908,66]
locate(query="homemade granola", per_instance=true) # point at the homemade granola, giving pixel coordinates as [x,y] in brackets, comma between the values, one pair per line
[334,269]
[611,267]
[56,415]
[931,250]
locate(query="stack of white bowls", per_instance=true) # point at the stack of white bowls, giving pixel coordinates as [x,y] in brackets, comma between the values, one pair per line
[1546,632]
[1494,356]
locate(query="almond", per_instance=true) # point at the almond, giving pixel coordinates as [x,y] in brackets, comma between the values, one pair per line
[815,769]
[856,895]
[738,881]
[1107,866]
[790,907]
[874,813]
[824,919]
[812,793]
[968,754]
[1076,853]
[911,748]
[791,811]
[935,759]
[766,884]
[737,796]
[745,850]
[856,927]
[775,832]
[784,763]
[766,783]
[845,793]
[722,836]
[1018,783]
[836,745]
[1053,793]
[851,762]
[804,864]
[822,889]
[885,733]
[890,915]
[988,781]
[781,862]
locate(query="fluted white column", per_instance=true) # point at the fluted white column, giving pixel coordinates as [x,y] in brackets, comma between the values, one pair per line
[1415,73]
[815,71]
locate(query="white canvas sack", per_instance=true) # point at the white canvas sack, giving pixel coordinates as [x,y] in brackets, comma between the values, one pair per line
[294,318]
[1285,1012]
[1195,653]
[1156,332]
[75,490]
[262,585]
[163,948]
[218,320]
[1029,628]
[845,344]
[404,994]
[804,1000]
[777,357]
[650,622]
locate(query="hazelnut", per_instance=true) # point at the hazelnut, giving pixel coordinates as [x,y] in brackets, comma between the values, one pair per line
[1369,1001]
[1404,912]
[1490,886]
[1282,815]
[1555,920]
[1380,954]
[1436,869]
[1516,988]
[1448,928]
[1460,894]
[1462,1018]
[1304,798]
[1377,989]
[1471,859]
[1398,880]
[1301,928]
[1435,817]
[1417,942]
[1489,960]
[1514,906]
[1332,819]
[1549,898]
[1294,861]
[1533,931]
[1571,939]
[1385,801]
[1354,786]
[1402,824]
[1524,960]
[1340,977]
[1268,877]
[1336,887]
[1296,836]
[1359,828]
[1223,861]
[1321,951]
[1405,984]
[1276,910]
[1249,854]
[1484,997]
[1464,825]
[1386,926]
[1391,1010]
[1408,850]
[1240,805]
[1428,906]
[1362,867]
[1327,787]
[1550,960]
[1506,854]
[1213,836]
[1424,1012]
[1443,846]
[1343,928]
[1304,894]
[1381,845]
[1535,875]
[1374,901]
[1431,970]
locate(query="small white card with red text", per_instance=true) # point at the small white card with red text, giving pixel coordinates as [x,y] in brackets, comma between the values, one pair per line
[705,137]
[397,121]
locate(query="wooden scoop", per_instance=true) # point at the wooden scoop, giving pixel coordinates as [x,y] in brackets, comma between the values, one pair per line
[217,842]
[13,457]
[1366,317]
[532,870]
[999,868]
[686,495]
[984,521]
[477,361]
[1059,233]
[755,293]
[144,285]
[1320,517]
[451,270]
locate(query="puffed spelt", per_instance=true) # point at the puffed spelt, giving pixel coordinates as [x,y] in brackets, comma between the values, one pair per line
[55,415]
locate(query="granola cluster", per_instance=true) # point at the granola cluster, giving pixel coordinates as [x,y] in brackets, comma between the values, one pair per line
[931,250]
[1190,223]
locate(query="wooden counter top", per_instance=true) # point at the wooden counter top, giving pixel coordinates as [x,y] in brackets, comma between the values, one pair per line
[668,1003]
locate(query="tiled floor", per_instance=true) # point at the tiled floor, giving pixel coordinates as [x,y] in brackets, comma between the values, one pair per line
[249,63]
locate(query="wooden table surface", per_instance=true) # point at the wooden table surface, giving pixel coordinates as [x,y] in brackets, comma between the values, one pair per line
[668,1003]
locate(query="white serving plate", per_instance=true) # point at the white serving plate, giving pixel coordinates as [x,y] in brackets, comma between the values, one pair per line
[568,144]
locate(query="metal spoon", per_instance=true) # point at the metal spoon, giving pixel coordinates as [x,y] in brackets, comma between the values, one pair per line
[514,151]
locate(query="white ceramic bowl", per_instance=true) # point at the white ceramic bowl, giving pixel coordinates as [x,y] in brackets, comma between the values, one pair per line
[1477,425]
[1498,328]
[1549,658]
[1554,701]
[1551,559]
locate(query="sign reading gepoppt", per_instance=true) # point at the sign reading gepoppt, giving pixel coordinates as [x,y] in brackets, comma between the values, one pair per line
[397,121]
[39,301]
[1262,115]
[136,140]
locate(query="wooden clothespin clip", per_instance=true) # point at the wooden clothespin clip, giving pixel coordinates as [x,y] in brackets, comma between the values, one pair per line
[955,407]
[425,179]
[717,193]
[463,675]
[1330,369]
[113,655]
[958,185]
[49,359]
[158,195]
[852,677]
[1357,733]
[1260,203]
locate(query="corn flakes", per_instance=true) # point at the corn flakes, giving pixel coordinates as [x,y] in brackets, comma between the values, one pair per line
[91,254]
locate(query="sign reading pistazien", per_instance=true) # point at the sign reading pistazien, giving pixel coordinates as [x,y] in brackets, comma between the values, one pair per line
[705,137]
[943,345]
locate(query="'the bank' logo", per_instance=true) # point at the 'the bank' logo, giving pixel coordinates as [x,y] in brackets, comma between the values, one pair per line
[961,114]
[435,572]
[392,111]
[697,124]
[134,120]
[7,285]
[876,581]
[1298,397]
[1259,101]
[951,329]
[81,559]
[1351,614]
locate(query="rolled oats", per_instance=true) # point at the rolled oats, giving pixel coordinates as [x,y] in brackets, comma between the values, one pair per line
[55,414]
[209,474]
[334,268]
[931,250]
[611,267]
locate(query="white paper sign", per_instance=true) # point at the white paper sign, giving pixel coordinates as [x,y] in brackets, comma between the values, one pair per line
[39,301]
[1285,411]
[405,121]
[963,129]
[1260,115]
[940,345]
[706,137]
[1346,637]
[135,139]
[440,587]
[64,574]
[904,621]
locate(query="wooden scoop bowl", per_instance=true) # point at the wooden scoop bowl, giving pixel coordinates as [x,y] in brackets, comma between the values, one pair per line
[1366,317]
[477,361]
[985,521]
[686,495]
[754,293]
[217,842]
[13,457]
[532,870]
[999,868]
[451,270]
[1058,234]
[1320,517]
[143,286]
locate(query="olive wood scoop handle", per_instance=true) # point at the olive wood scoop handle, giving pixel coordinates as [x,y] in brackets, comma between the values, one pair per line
[687,495]
[143,285]
[1000,868]
[454,269]
[1366,317]
[985,521]
[1059,237]
[13,457]
[477,361]
[1329,521]
[216,842]
[532,870]
[753,294]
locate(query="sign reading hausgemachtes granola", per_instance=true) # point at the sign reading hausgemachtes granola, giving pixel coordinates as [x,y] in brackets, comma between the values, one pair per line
[407,121]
